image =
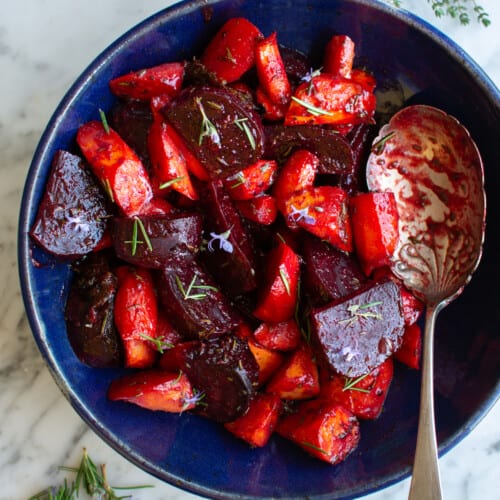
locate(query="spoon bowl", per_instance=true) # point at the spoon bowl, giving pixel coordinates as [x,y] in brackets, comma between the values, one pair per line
[433,167]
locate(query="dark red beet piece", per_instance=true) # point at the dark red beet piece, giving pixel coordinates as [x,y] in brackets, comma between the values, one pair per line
[225,373]
[358,333]
[329,274]
[333,151]
[193,303]
[224,134]
[229,256]
[89,313]
[132,120]
[296,64]
[73,214]
[360,139]
[168,237]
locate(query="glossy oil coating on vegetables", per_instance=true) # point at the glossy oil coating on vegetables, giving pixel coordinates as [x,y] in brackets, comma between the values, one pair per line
[238,266]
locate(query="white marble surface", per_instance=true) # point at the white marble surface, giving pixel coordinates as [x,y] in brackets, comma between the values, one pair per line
[44,45]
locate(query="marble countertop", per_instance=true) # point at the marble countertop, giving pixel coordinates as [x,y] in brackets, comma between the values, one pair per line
[44,45]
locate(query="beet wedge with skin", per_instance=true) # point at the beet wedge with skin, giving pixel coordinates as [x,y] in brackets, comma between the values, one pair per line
[73,213]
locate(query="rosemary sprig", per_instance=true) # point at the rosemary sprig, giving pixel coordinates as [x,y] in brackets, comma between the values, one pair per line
[286,283]
[358,311]
[314,447]
[378,147]
[188,294]
[314,110]
[160,343]
[104,120]
[169,183]
[138,224]
[350,384]
[208,129]
[242,124]
[92,479]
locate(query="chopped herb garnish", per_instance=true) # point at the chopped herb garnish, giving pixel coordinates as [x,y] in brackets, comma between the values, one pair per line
[208,129]
[138,224]
[242,124]
[284,278]
[350,383]
[314,110]
[104,120]
[160,343]
[107,187]
[169,183]
[239,178]
[187,293]
[378,147]
[314,447]
[358,311]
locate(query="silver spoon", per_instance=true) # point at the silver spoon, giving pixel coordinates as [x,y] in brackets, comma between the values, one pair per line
[433,167]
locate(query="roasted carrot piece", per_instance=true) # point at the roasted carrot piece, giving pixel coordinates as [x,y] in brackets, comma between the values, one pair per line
[168,166]
[374,218]
[325,430]
[115,164]
[261,209]
[330,100]
[297,378]
[411,348]
[278,296]
[271,110]
[251,181]
[257,424]
[231,52]
[282,336]
[364,78]
[271,70]
[149,82]
[136,316]
[323,211]
[156,390]
[339,56]
[364,396]
[298,172]
[268,360]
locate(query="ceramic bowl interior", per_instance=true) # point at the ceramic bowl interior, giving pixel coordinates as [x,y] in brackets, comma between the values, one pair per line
[194,453]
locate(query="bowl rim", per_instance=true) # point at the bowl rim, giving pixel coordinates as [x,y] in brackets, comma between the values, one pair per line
[27,207]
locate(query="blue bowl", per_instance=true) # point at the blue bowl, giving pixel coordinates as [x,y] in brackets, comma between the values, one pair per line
[199,455]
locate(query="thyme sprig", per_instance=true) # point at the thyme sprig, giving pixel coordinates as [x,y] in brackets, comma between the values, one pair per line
[187,293]
[460,10]
[161,345]
[92,479]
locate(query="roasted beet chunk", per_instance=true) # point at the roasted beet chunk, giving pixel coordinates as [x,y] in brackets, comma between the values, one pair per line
[89,313]
[218,127]
[229,256]
[72,216]
[224,372]
[358,333]
[153,240]
[329,274]
[132,119]
[333,151]
[192,301]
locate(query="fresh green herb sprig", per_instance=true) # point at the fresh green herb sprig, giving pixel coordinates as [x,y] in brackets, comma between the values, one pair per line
[461,10]
[90,478]
[188,293]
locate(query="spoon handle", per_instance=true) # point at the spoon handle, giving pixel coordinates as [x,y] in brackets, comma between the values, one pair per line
[425,483]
